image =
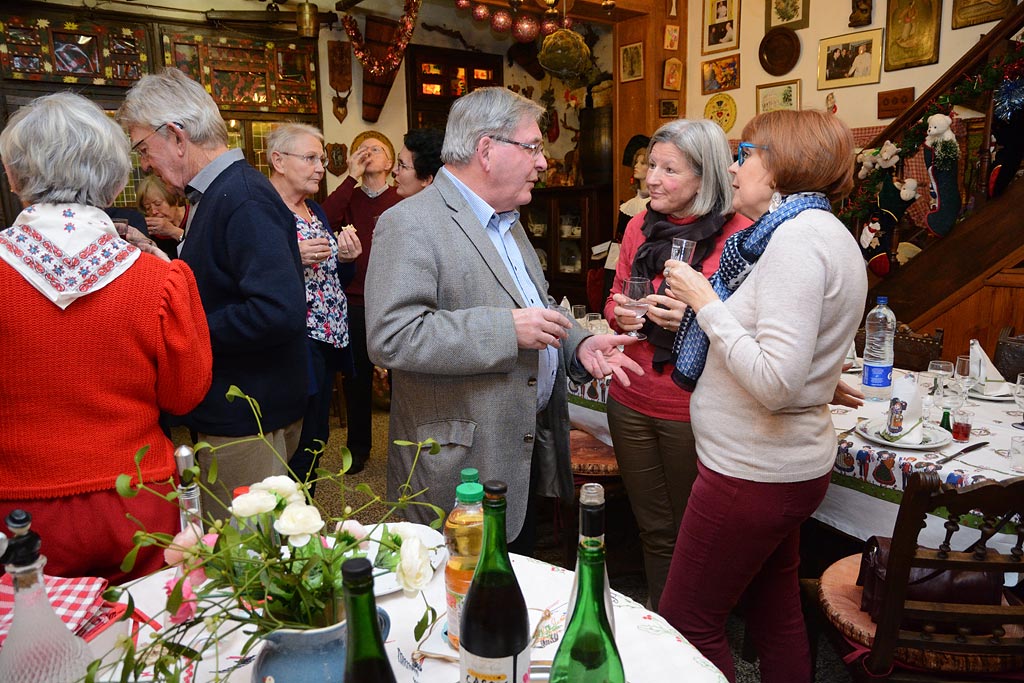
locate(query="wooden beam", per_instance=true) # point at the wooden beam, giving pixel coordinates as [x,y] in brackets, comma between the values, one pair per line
[585,10]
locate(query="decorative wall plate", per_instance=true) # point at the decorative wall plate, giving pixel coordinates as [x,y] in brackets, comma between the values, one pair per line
[722,110]
[779,51]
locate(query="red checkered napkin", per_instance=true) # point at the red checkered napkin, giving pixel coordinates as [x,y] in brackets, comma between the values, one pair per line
[74,600]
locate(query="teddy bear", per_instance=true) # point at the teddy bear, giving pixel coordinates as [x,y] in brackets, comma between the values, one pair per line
[894,198]
[886,156]
[941,157]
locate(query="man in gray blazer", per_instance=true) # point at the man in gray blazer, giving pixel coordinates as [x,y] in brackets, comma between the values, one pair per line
[456,307]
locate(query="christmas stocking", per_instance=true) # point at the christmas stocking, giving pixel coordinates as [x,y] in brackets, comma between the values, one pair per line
[942,163]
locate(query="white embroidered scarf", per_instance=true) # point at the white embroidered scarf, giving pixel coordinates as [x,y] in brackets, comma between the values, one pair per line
[66,250]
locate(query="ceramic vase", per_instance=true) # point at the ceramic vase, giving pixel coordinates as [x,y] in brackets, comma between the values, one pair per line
[307,656]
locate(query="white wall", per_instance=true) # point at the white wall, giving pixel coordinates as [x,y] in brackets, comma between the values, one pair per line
[857,105]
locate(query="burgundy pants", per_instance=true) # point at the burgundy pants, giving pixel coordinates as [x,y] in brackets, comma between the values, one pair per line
[739,542]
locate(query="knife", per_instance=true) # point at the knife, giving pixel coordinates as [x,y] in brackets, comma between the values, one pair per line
[967,449]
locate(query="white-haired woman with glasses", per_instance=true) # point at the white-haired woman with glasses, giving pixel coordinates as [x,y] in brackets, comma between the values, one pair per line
[295,153]
[763,343]
[95,336]
[691,198]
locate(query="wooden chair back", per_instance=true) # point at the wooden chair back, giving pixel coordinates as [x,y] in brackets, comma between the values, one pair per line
[985,631]
[1009,358]
[911,351]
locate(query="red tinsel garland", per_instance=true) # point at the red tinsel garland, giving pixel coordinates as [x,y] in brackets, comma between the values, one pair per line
[395,52]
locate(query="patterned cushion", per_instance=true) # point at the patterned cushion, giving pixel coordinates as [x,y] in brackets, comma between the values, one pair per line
[590,456]
[840,598]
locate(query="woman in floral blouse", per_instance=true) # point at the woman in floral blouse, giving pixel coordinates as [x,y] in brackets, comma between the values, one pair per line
[295,153]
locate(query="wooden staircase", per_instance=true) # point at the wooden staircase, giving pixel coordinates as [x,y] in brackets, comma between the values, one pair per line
[965,282]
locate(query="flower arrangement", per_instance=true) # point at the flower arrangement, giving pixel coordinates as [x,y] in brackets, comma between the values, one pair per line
[273,566]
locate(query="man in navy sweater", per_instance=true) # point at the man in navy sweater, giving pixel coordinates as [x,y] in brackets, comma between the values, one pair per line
[240,242]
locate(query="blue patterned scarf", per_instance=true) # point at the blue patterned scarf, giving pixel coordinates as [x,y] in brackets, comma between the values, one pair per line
[740,253]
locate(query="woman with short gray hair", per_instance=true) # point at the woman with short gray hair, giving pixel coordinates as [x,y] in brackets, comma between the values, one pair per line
[690,197]
[121,323]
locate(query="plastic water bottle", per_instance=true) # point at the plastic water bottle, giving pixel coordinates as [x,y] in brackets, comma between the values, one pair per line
[463,535]
[879,332]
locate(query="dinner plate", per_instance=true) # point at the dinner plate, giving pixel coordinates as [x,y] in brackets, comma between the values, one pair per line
[385,582]
[1001,398]
[934,436]
[779,51]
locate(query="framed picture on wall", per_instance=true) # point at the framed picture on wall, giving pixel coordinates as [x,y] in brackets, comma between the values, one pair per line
[720,74]
[668,109]
[781,95]
[672,79]
[631,62]
[971,12]
[789,13]
[912,33]
[721,26]
[671,37]
[850,59]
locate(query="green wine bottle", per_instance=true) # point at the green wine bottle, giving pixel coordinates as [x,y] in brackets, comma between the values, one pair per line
[587,653]
[494,631]
[365,658]
[946,422]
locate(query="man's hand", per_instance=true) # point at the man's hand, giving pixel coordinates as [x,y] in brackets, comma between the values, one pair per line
[845,395]
[539,327]
[600,355]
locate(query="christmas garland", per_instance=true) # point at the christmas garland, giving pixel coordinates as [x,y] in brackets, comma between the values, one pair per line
[396,50]
[1003,76]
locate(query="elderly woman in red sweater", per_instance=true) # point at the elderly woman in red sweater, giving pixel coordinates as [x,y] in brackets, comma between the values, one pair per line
[98,338]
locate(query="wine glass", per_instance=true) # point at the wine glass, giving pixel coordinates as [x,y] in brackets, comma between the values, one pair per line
[966,375]
[636,289]
[943,371]
[1018,398]
[682,249]
[927,385]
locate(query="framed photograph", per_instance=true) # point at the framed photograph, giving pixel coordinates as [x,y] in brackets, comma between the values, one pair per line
[631,62]
[721,26]
[850,59]
[720,74]
[789,13]
[671,37]
[668,109]
[912,33]
[781,95]
[971,12]
[672,79]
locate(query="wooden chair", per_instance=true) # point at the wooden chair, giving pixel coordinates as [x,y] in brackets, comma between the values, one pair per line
[911,351]
[1009,358]
[931,641]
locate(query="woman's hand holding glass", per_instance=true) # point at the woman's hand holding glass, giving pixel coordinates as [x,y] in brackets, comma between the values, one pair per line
[665,311]
[625,318]
[636,290]
[161,226]
[688,285]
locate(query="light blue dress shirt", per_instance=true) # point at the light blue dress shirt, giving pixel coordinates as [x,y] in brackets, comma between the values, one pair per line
[498,227]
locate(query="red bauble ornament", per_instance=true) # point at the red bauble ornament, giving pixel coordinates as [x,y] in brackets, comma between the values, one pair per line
[501,21]
[463,4]
[567,23]
[548,25]
[481,12]
[525,28]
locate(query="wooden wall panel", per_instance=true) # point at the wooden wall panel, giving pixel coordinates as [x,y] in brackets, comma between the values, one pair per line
[980,316]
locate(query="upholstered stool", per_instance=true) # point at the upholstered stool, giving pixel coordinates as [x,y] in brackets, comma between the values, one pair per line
[840,600]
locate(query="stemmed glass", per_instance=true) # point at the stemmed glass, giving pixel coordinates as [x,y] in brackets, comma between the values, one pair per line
[927,385]
[636,289]
[942,370]
[1018,398]
[965,375]
[682,249]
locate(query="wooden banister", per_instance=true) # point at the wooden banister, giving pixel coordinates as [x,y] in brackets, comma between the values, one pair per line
[972,59]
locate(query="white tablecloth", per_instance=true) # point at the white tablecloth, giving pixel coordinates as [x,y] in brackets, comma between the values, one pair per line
[651,649]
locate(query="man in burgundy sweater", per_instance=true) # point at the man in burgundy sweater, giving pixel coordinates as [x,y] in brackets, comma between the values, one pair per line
[372,159]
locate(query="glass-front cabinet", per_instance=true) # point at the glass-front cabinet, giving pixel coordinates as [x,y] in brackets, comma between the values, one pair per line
[564,225]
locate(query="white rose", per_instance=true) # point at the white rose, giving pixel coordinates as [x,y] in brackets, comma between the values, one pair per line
[298,522]
[406,530]
[284,486]
[414,571]
[253,503]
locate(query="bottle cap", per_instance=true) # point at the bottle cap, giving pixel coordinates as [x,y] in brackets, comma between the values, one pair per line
[23,548]
[469,492]
[591,494]
[495,487]
[883,300]
[184,458]
[469,474]
[356,568]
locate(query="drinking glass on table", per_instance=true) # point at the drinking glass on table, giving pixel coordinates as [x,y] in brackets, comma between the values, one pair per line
[682,249]
[1018,398]
[943,372]
[636,289]
[579,312]
[1016,453]
[966,374]
[927,385]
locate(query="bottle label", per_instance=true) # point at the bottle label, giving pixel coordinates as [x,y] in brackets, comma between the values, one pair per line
[455,600]
[476,669]
[877,376]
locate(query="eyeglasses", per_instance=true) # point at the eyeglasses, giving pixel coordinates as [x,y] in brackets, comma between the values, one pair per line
[534,148]
[402,166]
[743,153]
[374,150]
[309,159]
[143,153]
